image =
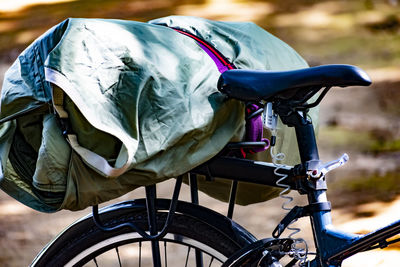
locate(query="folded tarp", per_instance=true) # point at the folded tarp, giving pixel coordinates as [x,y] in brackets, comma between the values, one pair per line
[139,105]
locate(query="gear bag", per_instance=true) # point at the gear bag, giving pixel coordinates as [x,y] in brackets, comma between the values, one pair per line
[96,108]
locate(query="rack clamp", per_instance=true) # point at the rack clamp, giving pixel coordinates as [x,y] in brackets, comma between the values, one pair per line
[304,182]
[298,212]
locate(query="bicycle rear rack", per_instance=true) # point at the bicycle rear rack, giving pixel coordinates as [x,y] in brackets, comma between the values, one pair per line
[151,198]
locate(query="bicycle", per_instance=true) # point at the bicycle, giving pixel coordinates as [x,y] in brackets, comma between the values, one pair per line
[214,239]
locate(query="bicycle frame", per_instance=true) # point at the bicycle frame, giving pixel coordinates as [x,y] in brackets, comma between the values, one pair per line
[333,245]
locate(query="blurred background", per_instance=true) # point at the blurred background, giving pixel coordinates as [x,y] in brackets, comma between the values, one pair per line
[364,122]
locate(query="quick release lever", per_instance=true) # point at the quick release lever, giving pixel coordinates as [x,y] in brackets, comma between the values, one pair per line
[323,169]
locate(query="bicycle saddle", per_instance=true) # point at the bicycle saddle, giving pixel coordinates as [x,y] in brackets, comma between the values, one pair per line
[256,85]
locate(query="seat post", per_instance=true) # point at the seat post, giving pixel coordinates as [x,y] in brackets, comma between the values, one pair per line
[307,142]
[305,134]
[321,221]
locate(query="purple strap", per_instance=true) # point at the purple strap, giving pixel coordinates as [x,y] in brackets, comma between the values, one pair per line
[221,67]
[254,129]
[254,126]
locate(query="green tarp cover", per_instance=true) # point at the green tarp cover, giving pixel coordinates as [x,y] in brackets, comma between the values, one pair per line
[139,96]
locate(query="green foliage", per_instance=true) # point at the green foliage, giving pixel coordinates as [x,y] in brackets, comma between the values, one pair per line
[340,138]
[380,146]
[343,138]
[372,187]
[364,33]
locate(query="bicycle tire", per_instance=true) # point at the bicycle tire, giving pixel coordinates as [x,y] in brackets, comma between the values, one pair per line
[192,227]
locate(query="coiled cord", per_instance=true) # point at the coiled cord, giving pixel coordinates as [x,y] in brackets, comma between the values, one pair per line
[297,253]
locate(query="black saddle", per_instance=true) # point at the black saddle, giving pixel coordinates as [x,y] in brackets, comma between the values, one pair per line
[256,85]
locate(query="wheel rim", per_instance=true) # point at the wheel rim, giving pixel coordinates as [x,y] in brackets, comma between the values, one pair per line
[121,242]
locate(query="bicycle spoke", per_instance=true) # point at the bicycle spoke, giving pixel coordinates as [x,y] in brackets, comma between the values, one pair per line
[140,253]
[291,263]
[95,262]
[119,259]
[211,261]
[199,258]
[187,257]
[165,254]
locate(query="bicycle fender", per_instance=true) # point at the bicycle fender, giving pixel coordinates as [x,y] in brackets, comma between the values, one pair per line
[241,236]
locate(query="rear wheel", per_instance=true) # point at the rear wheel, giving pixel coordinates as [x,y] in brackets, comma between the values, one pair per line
[190,241]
